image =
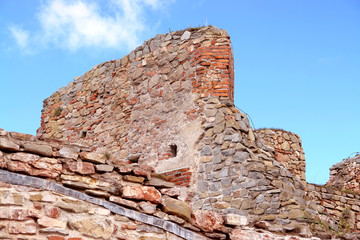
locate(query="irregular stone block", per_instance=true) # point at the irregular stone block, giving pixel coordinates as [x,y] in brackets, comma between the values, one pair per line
[135,179]
[8,145]
[236,220]
[208,221]
[48,222]
[93,227]
[84,168]
[28,227]
[124,202]
[177,207]
[104,168]
[69,152]
[158,182]
[93,157]
[43,150]
[142,193]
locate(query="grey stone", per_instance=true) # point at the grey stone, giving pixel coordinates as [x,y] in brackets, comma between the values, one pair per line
[228,152]
[202,187]
[69,152]
[243,127]
[206,151]
[215,186]
[43,150]
[147,207]
[186,35]
[226,183]
[260,198]
[241,156]
[224,172]
[159,183]
[248,184]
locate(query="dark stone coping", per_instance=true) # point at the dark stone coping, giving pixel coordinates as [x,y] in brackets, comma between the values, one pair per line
[24,180]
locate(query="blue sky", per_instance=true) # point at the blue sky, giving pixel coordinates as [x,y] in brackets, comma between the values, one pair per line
[297,63]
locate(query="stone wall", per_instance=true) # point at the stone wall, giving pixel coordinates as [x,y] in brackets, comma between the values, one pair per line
[339,211]
[145,105]
[74,172]
[288,150]
[155,146]
[53,190]
[238,174]
[346,174]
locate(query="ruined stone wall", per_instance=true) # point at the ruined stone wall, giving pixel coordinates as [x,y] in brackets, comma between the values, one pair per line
[339,210]
[154,141]
[50,188]
[56,191]
[238,174]
[288,150]
[346,174]
[145,106]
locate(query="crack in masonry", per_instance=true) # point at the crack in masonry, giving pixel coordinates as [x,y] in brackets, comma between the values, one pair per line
[24,180]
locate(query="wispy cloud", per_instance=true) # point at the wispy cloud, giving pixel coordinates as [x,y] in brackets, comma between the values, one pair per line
[21,36]
[83,23]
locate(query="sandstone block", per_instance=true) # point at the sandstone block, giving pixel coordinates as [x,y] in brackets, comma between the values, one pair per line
[177,207]
[236,220]
[43,150]
[158,182]
[28,227]
[69,152]
[48,222]
[104,168]
[142,193]
[93,227]
[135,179]
[93,157]
[8,145]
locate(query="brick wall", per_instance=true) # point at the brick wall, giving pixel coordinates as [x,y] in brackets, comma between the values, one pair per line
[181,177]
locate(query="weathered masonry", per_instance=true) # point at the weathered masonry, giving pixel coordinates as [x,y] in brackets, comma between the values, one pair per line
[151,146]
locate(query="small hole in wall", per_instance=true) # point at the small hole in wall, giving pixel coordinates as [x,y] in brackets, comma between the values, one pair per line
[83,134]
[173,150]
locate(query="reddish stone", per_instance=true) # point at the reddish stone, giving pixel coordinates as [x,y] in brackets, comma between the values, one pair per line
[208,221]
[75,238]
[139,172]
[52,212]
[55,238]
[142,193]
[281,157]
[128,226]
[80,167]
[38,206]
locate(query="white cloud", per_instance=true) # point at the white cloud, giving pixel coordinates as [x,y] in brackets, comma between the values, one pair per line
[21,36]
[82,23]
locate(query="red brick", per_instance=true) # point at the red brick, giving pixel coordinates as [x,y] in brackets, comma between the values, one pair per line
[55,238]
